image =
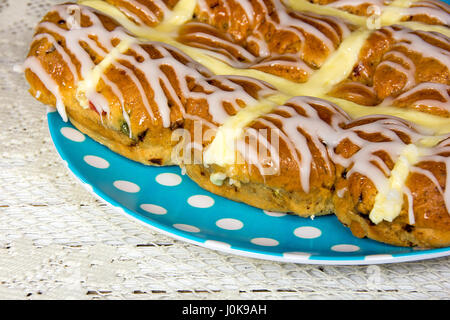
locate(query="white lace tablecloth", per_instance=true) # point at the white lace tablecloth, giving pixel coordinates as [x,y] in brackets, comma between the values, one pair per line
[57,241]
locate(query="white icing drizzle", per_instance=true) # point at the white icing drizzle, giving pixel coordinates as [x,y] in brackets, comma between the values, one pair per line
[294,22]
[383,13]
[248,8]
[146,11]
[293,25]
[442,17]
[87,87]
[434,9]
[263,47]
[441,89]
[35,66]
[115,89]
[135,17]
[318,131]
[409,71]
[149,13]
[406,45]
[73,38]
[61,51]
[411,216]
[226,49]
[412,41]
[285,61]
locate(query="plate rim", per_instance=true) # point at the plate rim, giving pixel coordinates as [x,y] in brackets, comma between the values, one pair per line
[344,260]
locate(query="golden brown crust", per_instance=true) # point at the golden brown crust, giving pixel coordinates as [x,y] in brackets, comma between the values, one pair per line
[400,233]
[392,67]
[356,194]
[149,144]
[265,196]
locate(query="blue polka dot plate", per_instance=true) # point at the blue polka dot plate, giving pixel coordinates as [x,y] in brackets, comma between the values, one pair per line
[168,201]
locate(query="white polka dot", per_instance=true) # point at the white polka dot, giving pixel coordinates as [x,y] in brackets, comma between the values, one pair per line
[307,232]
[229,224]
[153,208]
[201,201]
[168,179]
[186,227]
[72,134]
[96,162]
[264,242]
[126,186]
[345,248]
[274,214]
[217,244]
